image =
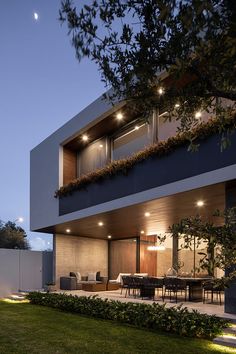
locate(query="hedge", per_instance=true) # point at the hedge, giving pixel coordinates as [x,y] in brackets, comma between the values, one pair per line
[178,320]
[160,149]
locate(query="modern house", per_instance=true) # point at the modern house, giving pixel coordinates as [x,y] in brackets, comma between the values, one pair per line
[111,203]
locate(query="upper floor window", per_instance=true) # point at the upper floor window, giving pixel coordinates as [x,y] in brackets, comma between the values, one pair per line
[130,141]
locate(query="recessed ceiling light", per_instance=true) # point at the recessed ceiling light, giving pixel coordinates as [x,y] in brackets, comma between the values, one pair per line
[100,223]
[200,203]
[101,146]
[85,137]
[160,91]
[119,116]
[147,214]
[68,231]
[141,232]
[109,236]
[198,115]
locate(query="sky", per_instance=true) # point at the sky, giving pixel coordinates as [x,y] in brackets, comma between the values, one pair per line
[42,86]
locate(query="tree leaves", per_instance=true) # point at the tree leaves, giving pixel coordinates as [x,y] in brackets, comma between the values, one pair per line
[132,42]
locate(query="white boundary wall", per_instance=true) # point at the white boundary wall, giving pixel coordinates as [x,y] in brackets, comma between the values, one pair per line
[24,270]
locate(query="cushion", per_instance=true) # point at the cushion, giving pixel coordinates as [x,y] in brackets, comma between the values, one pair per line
[78,276]
[92,276]
[98,276]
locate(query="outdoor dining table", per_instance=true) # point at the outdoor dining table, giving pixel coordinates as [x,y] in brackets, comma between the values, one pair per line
[195,288]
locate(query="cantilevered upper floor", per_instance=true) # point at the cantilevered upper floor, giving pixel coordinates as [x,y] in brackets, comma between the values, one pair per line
[109,156]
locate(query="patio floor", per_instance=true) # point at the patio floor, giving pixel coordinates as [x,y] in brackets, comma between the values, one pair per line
[207,308]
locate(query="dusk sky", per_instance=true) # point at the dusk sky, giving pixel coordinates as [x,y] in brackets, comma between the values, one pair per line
[42,86]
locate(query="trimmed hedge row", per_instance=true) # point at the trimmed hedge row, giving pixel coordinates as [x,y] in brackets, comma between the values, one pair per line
[178,320]
[160,149]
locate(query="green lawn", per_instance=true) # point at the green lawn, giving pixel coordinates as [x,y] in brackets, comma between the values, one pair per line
[26,328]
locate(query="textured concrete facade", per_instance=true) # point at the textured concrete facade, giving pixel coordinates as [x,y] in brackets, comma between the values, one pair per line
[79,254]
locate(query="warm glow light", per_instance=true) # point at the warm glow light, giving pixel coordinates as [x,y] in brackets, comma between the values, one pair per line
[136,127]
[101,146]
[160,91]
[85,137]
[177,105]
[109,236]
[68,231]
[147,214]
[141,232]
[100,223]
[200,203]
[156,248]
[119,116]
[198,115]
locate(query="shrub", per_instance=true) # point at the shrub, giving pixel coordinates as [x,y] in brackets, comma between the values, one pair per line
[178,320]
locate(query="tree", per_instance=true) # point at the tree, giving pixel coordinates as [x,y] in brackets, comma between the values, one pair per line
[218,237]
[12,236]
[178,55]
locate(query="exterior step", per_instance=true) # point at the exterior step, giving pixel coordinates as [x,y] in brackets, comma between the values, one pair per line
[231,330]
[227,341]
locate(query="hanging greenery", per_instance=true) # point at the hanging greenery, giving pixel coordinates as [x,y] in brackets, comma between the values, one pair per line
[224,126]
[219,238]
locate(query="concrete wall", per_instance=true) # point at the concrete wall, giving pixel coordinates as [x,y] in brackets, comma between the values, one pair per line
[24,270]
[79,254]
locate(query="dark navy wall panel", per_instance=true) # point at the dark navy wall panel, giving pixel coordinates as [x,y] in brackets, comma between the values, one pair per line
[153,172]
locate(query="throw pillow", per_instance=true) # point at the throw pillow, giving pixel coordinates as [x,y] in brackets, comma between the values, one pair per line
[78,276]
[92,276]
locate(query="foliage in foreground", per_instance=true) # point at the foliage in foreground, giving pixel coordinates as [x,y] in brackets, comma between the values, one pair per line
[177,320]
[162,148]
[132,42]
[219,240]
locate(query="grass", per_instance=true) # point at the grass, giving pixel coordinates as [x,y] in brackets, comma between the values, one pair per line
[26,328]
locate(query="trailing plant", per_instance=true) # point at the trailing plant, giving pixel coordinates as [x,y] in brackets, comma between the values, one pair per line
[218,237]
[178,320]
[204,130]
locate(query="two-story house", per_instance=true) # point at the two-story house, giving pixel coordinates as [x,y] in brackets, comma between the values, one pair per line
[120,184]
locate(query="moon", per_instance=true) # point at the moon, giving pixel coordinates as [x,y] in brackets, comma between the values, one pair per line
[36,16]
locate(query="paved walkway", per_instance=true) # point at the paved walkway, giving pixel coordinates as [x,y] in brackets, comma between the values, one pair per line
[208,308]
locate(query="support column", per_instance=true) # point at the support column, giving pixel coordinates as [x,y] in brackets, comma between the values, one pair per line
[230,293]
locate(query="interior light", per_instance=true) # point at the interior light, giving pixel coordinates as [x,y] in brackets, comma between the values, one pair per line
[101,146]
[100,223]
[141,232]
[200,203]
[109,236]
[85,137]
[68,231]
[20,219]
[119,116]
[160,91]
[198,115]
[156,248]
[147,214]
[136,127]
[177,105]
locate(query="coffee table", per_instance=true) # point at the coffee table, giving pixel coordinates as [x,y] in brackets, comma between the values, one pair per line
[94,287]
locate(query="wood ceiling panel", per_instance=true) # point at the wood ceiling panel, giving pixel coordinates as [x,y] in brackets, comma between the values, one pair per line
[129,221]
